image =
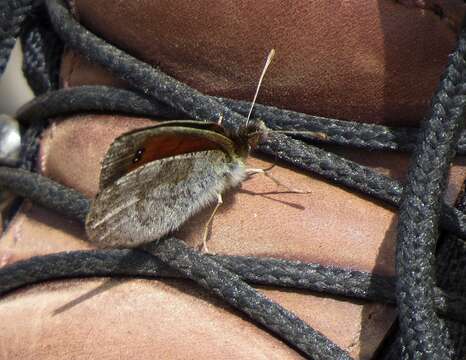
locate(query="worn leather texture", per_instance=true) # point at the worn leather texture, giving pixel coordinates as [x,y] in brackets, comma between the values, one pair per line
[375,61]
[329,225]
[372,61]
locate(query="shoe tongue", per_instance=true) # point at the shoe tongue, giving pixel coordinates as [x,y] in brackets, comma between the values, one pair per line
[376,62]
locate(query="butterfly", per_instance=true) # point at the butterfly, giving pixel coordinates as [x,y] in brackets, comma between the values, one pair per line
[154,179]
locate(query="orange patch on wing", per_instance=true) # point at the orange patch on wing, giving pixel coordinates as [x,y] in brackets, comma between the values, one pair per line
[168,145]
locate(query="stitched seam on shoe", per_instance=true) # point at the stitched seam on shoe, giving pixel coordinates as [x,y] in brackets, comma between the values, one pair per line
[44,150]
[18,228]
[433,7]
[73,61]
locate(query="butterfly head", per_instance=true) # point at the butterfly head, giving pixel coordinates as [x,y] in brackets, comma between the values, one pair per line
[249,136]
[254,131]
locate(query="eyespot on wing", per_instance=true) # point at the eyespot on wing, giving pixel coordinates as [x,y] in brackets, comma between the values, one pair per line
[139,147]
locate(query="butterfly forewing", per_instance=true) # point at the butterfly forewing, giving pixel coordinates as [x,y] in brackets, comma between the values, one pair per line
[139,147]
[156,198]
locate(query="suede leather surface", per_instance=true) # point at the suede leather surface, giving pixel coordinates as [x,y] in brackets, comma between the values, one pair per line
[372,61]
[349,230]
[150,319]
[329,225]
[172,319]
[375,61]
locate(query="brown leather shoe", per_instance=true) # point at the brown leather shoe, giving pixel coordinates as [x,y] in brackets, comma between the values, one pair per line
[375,62]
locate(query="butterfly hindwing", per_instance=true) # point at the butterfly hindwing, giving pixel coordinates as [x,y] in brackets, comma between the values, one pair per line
[154,199]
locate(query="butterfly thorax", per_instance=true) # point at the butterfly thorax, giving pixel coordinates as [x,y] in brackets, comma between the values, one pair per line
[248,137]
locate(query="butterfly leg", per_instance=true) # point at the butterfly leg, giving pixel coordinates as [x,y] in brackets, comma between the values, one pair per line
[254,171]
[209,223]
[266,172]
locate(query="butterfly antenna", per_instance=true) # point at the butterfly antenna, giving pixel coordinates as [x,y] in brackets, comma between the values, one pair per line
[264,70]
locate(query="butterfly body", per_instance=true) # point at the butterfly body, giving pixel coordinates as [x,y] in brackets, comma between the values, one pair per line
[154,179]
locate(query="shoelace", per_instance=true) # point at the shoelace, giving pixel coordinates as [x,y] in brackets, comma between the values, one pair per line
[156,94]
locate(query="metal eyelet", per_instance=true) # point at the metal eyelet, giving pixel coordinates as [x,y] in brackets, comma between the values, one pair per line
[10,141]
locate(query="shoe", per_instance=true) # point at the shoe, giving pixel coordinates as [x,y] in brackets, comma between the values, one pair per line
[372,63]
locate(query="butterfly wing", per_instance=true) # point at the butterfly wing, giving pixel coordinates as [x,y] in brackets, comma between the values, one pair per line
[156,198]
[141,146]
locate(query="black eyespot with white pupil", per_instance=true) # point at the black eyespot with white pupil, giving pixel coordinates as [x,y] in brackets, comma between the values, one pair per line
[138,156]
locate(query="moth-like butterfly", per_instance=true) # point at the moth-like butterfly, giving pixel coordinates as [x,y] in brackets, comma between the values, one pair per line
[154,179]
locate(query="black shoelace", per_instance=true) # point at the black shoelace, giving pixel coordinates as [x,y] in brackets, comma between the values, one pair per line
[415,290]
